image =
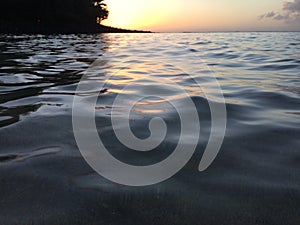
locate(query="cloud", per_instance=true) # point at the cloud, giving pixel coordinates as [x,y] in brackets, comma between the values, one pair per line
[270,14]
[290,13]
[282,17]
[292,6]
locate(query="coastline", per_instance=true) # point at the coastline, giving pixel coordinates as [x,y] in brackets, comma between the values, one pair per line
[30,29]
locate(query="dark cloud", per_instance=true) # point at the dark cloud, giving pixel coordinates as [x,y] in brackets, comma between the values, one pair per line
[292,6]
[290,12]
[282,17]
[270,14]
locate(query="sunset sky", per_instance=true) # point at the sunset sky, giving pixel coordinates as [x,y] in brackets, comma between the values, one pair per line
[204,15]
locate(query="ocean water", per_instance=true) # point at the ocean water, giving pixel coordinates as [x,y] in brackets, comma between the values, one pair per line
[255,178]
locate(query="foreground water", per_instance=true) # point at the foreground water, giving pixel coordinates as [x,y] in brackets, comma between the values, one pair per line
[254,179]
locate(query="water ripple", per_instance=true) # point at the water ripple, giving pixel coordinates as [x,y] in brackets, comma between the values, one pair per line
[258,166]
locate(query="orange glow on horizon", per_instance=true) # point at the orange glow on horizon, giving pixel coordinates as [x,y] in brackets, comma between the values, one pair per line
[133,14]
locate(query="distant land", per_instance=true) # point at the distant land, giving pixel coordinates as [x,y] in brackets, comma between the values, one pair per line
[29,29]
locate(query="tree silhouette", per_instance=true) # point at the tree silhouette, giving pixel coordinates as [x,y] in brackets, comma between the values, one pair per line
[51,15]
[103,12]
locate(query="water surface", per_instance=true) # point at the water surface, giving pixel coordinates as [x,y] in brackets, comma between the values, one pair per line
[254,180]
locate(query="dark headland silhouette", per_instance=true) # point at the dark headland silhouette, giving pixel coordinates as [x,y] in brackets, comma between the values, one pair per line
[54,16]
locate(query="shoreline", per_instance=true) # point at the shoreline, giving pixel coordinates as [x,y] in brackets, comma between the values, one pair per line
[30,29]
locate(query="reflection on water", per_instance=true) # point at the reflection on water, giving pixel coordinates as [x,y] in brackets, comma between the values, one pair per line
[255,179]
[34,69]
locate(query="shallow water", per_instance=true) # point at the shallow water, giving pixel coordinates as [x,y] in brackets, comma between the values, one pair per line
[254,179]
